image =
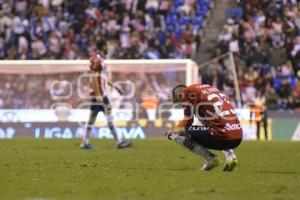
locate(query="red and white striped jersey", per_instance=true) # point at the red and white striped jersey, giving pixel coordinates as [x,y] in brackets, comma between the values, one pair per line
[99,81]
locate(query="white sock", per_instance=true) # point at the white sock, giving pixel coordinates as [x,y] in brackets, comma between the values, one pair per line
[85,137]
[193,146]
[229,153]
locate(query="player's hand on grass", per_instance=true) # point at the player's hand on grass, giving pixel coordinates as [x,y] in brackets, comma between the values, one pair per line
[168,134]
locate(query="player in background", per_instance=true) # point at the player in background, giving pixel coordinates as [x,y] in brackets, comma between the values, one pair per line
[220,130]
[100,102]
[258,112]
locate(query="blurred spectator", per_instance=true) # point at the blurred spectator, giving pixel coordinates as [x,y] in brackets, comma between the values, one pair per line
[248,94]
[235,12]
[277,56]
[271,99]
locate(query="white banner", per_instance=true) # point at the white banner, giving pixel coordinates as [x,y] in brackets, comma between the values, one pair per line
[47,115]
[81,115]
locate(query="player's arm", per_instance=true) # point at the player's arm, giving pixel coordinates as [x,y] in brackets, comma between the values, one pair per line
[103,82]
[121,92]
[180,128]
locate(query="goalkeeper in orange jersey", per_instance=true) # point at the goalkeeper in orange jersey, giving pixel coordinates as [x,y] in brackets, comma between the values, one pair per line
[100,102]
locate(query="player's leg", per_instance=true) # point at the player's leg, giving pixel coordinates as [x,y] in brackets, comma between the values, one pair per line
[228,153]
[89,127]
[107,112]
[258,130]
[211,160]
[120,143]
[202,136]
[265,124]
[231,160]
[227,147]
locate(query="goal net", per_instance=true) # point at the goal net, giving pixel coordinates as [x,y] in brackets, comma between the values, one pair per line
[64,84]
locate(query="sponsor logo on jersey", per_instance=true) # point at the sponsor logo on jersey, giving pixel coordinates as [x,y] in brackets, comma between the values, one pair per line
[232,127]
[198,128]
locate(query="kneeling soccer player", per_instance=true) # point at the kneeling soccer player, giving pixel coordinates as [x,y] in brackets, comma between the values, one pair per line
[221,128]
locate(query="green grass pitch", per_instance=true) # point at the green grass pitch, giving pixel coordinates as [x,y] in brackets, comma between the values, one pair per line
[35,169]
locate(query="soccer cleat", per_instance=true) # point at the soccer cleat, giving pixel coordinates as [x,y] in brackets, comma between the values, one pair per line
[211,163]
[87,146]
[230,164]
[124,144]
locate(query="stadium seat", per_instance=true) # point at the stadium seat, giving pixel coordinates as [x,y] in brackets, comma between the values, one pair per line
[170,28]
[198,21]
[173,12]
[94,3]
[204,2]
[171,20]
[202,11]
[277,83]
[184,21]
[178,3]
[162,37]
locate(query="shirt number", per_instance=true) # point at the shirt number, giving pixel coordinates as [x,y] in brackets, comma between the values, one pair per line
[218,104]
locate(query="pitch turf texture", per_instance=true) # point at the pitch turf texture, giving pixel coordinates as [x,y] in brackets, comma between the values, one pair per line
[153,169]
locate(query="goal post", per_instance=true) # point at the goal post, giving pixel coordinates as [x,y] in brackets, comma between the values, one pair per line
[68,66]
[35,81]
[221,72]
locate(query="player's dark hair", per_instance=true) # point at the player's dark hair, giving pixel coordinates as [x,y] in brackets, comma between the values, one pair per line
[176,92]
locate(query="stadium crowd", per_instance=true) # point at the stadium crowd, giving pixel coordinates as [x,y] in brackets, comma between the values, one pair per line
[61,29]
[264,37]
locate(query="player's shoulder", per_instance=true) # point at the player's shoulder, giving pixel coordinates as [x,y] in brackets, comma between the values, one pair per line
[202,89]
[197,87]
